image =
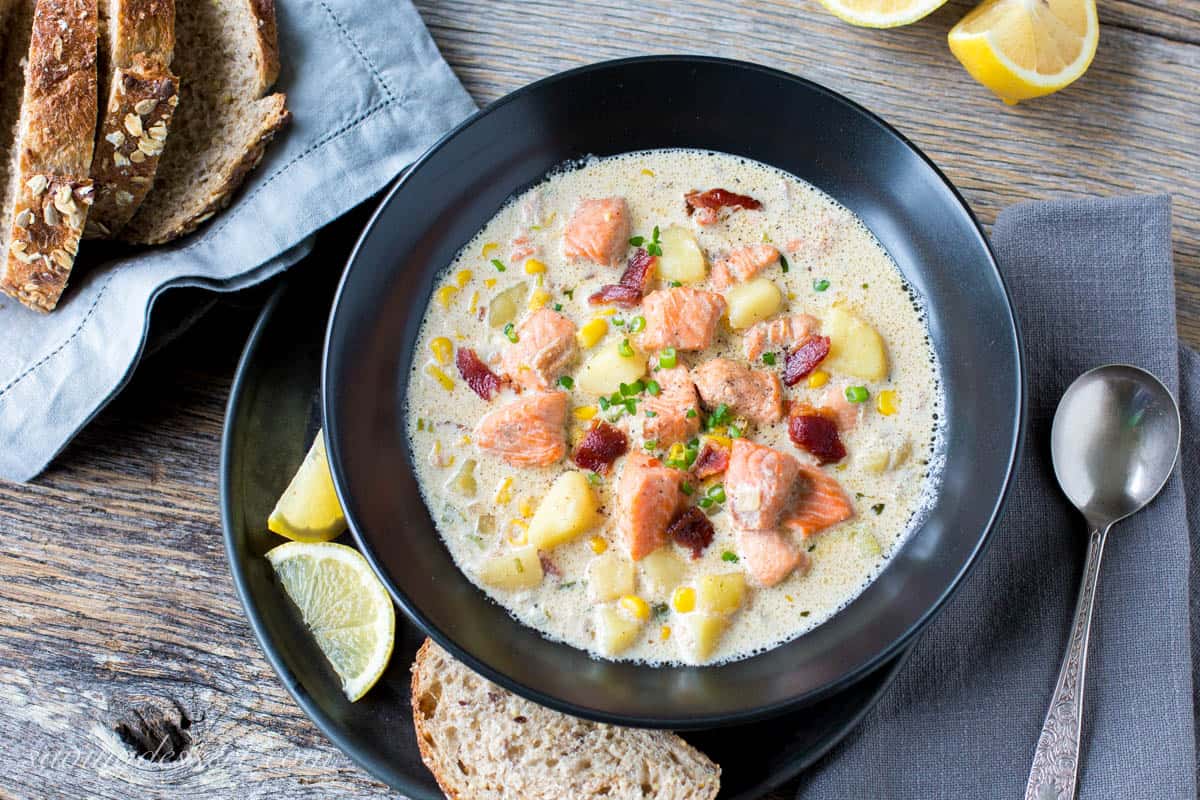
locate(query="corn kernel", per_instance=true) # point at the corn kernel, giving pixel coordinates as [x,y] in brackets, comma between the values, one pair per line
[818,379]
[538,298]
[887,402]
[534,267]
[504,492]
[584,412]
[440,377]
[525,507]
[724,441]
[677,452]
[490,248]
[598,544]
[788,597]
[665,633]
[607,312]
[518,533]
[684,599]
[445,295]
[649,173]
[442,349]
[465,440]
[489,282]
[635,606]
[592,332]
[474,302]
[463,277]
[791,295]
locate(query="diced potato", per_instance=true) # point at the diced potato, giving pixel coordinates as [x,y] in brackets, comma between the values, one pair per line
[855,348]
[609,576]
[515,569]
[604,372]
[887,458]
[661,572]
[682,259]
[463,481]
[720,594]
[867,544]
[615,631]
[503,307]
[704,632]
[752,301]
[567,510]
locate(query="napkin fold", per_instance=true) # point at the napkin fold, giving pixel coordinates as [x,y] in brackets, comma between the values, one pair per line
[368,92]
[1092,283]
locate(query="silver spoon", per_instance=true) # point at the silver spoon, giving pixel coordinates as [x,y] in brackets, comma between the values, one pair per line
[1114,443]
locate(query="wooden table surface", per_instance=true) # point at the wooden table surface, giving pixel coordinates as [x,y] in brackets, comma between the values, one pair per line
[126,667]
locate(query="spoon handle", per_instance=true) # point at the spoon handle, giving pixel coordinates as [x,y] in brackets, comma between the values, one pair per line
[1056,761]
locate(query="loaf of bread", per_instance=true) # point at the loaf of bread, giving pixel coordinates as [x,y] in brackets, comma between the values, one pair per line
[484,743]
[48,191]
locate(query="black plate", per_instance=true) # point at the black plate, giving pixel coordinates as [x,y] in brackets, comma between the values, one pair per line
[273,414]
[704,103]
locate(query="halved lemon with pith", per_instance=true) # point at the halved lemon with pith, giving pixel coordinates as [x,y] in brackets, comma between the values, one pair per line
[1027,48]
[882,13]
[343,604]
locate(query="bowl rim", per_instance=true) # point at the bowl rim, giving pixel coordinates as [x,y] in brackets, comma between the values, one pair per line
[700,721]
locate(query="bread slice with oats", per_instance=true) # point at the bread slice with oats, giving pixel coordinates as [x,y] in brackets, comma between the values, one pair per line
[137,43]
[48,191]
[484,743]
[227,57]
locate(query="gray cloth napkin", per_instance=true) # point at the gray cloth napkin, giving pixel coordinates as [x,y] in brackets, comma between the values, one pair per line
[368,92]
[1092,283]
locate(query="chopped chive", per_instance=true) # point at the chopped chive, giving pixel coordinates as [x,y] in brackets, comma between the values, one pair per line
[820,285]
[691,413]
[667,358]
[689,456]
[878,508]
[729,556]
[674,284]
[567,382]
[510,333]
[686,488]
[566,585]
[651,444]
[636,324]
[558,306]
[653,389]
[857,394]
[716,493]
[705,502]
[783,262]
[625,349]
[499,265]
[769,359]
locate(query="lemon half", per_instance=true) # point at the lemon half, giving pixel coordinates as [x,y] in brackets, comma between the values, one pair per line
[344,606]
[1021,48]
[882,13]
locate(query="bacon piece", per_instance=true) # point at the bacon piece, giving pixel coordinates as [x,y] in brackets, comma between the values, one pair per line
[712,460]
[804,359]
[634,283]
[692,529]
[478,376]
[548,565]
[709,202]
[600,447]
[815,431]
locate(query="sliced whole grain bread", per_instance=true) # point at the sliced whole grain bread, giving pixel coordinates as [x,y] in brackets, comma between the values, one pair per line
[137,44]
[48,190]
[227,58]
[482,742]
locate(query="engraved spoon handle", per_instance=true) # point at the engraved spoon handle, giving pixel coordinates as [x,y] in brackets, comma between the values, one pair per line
[1056,761]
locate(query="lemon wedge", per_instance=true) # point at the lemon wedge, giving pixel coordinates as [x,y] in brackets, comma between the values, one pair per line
[1021,48]
[308,510]
[344,606]
[882,13]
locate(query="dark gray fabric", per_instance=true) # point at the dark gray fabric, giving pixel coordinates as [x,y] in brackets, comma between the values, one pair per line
[1092,283]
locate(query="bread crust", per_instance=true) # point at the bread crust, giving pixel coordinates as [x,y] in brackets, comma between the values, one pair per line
[267,42]
[53,152]
[141,27]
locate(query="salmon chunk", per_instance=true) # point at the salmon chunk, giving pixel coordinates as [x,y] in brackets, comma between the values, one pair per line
[598,231]
[676,397]
[751,393]
[842,411]
[528,432]
[545,346]
[760,483]
[681,317]
[770,556]
[781,332]
[743,264]
[648,496]
[820,502]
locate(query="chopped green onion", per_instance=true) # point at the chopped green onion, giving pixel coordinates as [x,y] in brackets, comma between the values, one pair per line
[716,493]
[558,306]
[769,359]
[693,442]
[651,444]
[667,358]
[689,456]
[567,382]
[566,585]
[705,502]
[499,265]
[730,557]
[636,324]
[594,479]
[820,285]
[653,389]
[625,348]
[691,413]
[510,333]
[735,432]
[686,488]
[857,394]
[618,321]
[719,417]
[783,262]
[878,508]
[674,284]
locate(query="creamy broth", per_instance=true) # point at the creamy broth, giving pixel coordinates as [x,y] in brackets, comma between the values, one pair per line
[890,470]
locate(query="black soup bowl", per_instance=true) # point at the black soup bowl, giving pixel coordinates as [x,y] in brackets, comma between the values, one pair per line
[713,104]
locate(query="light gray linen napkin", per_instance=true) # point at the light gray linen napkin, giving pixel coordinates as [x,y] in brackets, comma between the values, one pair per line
[1092,283]
[368,92]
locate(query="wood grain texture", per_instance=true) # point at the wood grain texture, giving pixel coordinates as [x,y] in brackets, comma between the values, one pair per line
[128,669]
